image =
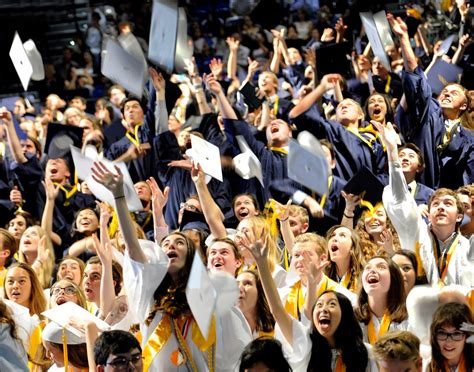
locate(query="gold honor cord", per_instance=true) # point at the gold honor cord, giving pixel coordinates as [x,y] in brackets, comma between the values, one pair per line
[134,139]
[441,264]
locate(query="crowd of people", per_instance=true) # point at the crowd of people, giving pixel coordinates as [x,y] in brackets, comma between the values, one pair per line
[375,273]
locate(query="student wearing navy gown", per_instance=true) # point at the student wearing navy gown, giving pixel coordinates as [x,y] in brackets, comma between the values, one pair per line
[434,125]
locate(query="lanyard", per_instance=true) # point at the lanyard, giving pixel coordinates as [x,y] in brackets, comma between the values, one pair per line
[441,263]
[387,86]
[384,326]
[324,197]
[275,105]
[134,139]
[356,133]
[280,150]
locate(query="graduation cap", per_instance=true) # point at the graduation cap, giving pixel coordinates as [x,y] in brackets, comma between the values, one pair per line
[193,221]
[251,99]
[169,42]
[84,165]
[365,184]
[35,58]
[446,44]
[123,68]
[209,294]
[383,28]
[332,59]
[443,73]
[207,156]
[307,163]
[130,43]
[20,60]
[246,164]
[375,38]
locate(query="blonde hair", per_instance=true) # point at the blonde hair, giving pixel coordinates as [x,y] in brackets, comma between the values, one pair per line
[300,212]
[45,272]
[259,225]
[319,243]
[81,298]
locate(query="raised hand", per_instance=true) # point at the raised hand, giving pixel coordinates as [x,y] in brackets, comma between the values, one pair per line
[256,246]
[6,115]
[191,67]
[314,208]
[158,198]
[216,67]
[340,30]
[183,163]
[310,57]
[328,35]
[282,211]
[329,80]
[388,134]
[386,241]
[105,252]
[398,26]
[253,67]
[157,79]
[212,84]
[352,201]
[43,251]
[52,191]
[313,271]
[105,213]
[112,181]
[15,196]
[233,43]
[197,173]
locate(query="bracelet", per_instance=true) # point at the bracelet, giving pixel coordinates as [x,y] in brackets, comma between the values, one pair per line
[286,219]
[345,215]
[39,261]
[119,197]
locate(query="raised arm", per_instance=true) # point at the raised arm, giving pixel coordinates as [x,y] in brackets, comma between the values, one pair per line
[12,137]
[283,214]
[400,29]
[193,72]
[259,250]
[224,106]
[114,183]
[161,113]
[310,99]
[232,60]
[210,209]
[314,275]
[47,217]
[276,58]
[251,70]
[464,41]
[158,202]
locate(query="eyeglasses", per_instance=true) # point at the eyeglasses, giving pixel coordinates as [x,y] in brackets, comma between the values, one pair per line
[455,336]
[121,363]
[188,207]
[67,290]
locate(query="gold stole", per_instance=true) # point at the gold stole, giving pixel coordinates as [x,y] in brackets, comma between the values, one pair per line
[34,350]
[461,366]
[3,273]
[384,326]
[295,300]
[163,331]
[134,139]
[279,149]
[340,367]
[443,269]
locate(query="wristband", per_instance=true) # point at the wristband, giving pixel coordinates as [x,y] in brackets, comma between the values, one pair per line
[345,215]
[119,197]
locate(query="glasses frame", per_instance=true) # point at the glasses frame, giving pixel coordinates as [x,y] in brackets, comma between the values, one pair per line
[454,336]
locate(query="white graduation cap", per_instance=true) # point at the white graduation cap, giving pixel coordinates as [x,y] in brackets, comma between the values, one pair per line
[184,43]
[130,43]
[307,163]
[246,164]
[83,165]
[67,316]
[209,293]
[20,60]
[163,34]
[123,68]
[207,156]
[374,38]
[201,295]
[35,58]
[383,28]
[446,44]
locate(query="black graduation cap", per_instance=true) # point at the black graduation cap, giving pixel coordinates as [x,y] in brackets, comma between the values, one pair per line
[58,141]
[193,221]
[331,59]
[366,184]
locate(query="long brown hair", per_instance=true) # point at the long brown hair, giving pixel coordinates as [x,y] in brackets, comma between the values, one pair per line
[356,260]
[395,297]
[265,320]
[450,314]
[37,301]
[170,296]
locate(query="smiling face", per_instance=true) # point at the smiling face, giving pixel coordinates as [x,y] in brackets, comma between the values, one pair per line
[87,222]
[29,240]
[327,316]
[17,226]
[452,98]
[69,269]
[175,247]
[244,207]
[450,349]
[407,269]
[248,292]
[443,211]
[221,257]
[340,245]
[410,162]
[376,276]
[349,112]
[377,108]
[61,292]
[91,282]
[18,286]
[268,83]
[377,222]
[278,133]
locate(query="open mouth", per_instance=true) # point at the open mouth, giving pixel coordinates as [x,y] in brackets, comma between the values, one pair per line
[15,294]
[324,322]
[274,129]
[172,254]
[218,265]
[334,248]
[243,213]
[377,111]
[372,279]
[60,300]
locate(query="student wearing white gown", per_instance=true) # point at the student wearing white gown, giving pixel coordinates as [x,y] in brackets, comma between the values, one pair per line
[441,248]
[171,339]
[333,341]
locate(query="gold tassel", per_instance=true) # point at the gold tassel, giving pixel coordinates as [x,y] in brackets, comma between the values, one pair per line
[66,358]
[271,217]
